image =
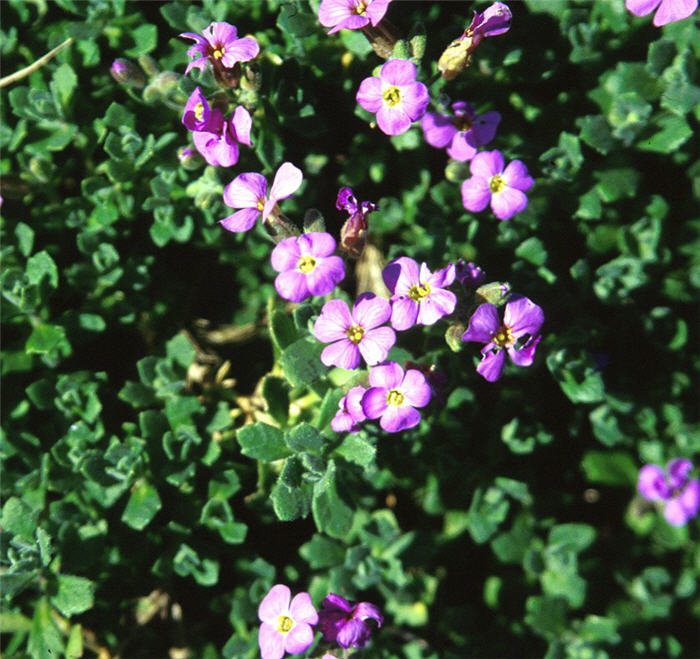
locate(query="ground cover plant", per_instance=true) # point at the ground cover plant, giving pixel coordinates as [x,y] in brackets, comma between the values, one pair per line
[351,327]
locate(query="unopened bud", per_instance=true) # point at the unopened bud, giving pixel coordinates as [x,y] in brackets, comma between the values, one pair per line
[313,221]
[149,65]
[401,50]
[496,292]
[453,336]
[454,58]
[189,158]
[127,73]
[161,86]
[457,171]
[279,226]
[418,45]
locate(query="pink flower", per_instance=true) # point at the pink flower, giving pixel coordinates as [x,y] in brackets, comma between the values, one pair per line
[668,10]
[355,335]
[395,96]
[349,414]
[220,45]
[249,193]
[286,627]
[351,14]
[218,140]
[491,182]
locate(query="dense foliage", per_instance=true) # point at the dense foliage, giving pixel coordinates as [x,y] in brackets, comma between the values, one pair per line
[167,453]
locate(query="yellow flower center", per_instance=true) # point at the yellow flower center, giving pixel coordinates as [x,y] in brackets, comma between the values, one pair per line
[198,111]
[504,337]
[360,8]
[284,624]
[418,292]
[392,96]
[306,264]
[496,184]
[394,397]
[355,333]
[219,52]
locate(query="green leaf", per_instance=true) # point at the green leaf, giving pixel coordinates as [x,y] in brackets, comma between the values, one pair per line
[187,562]
[486,512]
[45,639]
[674,132]
[117,116]
[322,552]
[17,518]
[577,376]
[25,238]
[261,441]
[596,133]
[142,506]
[42,265]
[282,330]
[358,449]
[137,395]
[145,37]
[533,251]
[181,350]
[575,537]
[610,468]
[45,339]
[291,495]
[275,391]
[74,595]
[331,514]
[63,84]
[304,437]
[301,362]
[546,616]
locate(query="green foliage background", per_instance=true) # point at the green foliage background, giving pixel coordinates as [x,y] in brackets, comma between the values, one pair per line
[143,485]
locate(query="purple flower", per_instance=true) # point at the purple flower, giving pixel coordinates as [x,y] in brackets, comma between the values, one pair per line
[494,21]
[517,335]
[306,266]
[503,187]
[393,396]
[395,96]
[249,193]
[197,114]
[669,10]
[462,133]
[218,141]
[351,14]
[286,627]
[357,334]
[353,234]
[349,414]
[681,495]
[469,274]
[417,296]
[345,623]
[219,44]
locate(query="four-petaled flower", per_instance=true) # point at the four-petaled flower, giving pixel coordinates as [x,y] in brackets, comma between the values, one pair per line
[417,296]
[395,96]
[197,113]
[681,495]
[307,266]
[357,334]
[491,182]
[346,623]
[286,627]
[248,192]
[219,43]
[669,10]
[393,396]
[351,14]
[218,140]
[462,133]
[349,414]
[517,335]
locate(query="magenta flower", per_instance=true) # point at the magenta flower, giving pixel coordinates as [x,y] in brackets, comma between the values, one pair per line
[355,335]
[350,413]
[669,10]
[494,21]
[346,623]
[681,495]
[306,266]
[517,335]
[218,141]
[197,114]
[503,187]
[417,296]
[395,96]
[393,396]
[353,233]
[219,44]
[286,627]
[462,133]
[469,274]
[351,14]
[249,193]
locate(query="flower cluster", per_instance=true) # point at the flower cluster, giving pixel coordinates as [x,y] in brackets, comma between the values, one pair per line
[287,623]
[679,494]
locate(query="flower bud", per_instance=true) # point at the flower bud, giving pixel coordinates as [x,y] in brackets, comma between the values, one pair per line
[469,274]
[496,292]
[454,58]
[149,65]
[453,336]
[401,50]
[189,158]
[126,73]
[313,221]
[161,87]
[353,236]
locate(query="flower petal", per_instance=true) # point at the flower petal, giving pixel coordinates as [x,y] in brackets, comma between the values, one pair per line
[245,190]
[393,120]
[271,642]
[274,604]
[639,7]
[287,181]
[651,483]
[343,354]
[483,323]
[675,513]
[317,243]
[400,274]
[416,388]
[475,193]
[678,470]
[438,129]
[396,419]
[376,343]
[690,498]
[438,304]
[370,311]
[523,316]
[389,376]
[398,72]
[441,278]
[404,313]
[526,354]
[674,10]
[376,10]
[487,164]
[299,638]
[285,255]
[491,366]
[374,402]
[414,100]
[302,610]
[331,12]
[241,50]
[515,175]
[326,275]
[507,203]
[461,148]
[333,323]
[354,633]
[242,220]
[241,123]
[369,95]
[292,286]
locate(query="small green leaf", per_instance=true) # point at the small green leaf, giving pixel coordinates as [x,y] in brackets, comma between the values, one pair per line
[575,537]
[610,468]
[322,552]
[142,506]
[42,265]
[63,84]
[275,391]
[291,495]
[74,595]
[331,514]
[304,437]
[45,639]
[261,441]
[145,37]
[282,330]
[357,449]
[25,238]
[17,518]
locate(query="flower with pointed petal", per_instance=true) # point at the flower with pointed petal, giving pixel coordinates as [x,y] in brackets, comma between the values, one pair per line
[351,14]
[219,139]
[668,10]
[197,113]
[393,396]
[462,133]
[517,335]
[220,45]
[349,414]
[680,495]
[417,295]
[357,335]
[395,96]
[286,626]
[503,187]
[307,266]
[248,192]
[345,622]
